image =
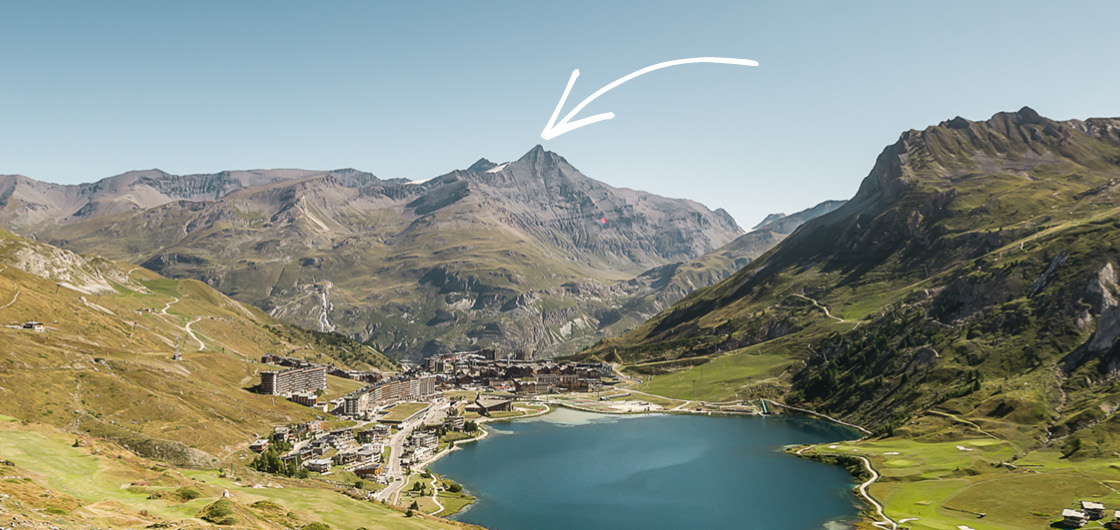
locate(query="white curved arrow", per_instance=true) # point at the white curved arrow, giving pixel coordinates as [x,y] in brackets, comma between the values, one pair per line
[553,129]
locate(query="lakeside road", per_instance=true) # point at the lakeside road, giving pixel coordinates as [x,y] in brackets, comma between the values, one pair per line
[391,493]
[886,522]
[454,446]
[396,445]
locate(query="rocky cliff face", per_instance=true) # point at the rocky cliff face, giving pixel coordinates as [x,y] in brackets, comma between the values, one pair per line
[529,254]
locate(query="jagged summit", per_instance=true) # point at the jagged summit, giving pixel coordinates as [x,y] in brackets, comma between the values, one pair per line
[481,166]
[768,219]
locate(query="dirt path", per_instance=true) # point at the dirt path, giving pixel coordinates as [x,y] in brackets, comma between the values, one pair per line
[193,336]
[14,298]
[435,492]
[965,422]
[168,306]
[681,406]
[822,308]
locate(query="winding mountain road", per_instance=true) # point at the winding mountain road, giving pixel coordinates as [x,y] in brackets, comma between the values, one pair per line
[193,336]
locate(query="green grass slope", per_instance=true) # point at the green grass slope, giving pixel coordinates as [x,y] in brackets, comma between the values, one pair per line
[51,482]
[104,364]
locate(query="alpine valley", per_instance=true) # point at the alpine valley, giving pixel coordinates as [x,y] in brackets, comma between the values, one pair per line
[961,311]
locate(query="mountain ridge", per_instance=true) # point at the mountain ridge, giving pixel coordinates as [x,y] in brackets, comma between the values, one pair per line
[338,249]
[975,258]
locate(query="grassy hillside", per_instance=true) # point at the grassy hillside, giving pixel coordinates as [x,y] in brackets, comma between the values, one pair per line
[49,481]
[104,363]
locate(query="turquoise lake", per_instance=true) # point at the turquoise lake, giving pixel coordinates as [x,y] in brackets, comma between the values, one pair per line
[574,470]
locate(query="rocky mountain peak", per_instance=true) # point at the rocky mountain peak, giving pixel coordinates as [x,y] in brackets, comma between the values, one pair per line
[769,219]
[538,157]
[481,166]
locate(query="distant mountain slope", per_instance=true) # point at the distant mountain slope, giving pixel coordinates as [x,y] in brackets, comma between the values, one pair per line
[522,255]
[974,272]
[103,365]
[785,224]
[661,287]
[27,203]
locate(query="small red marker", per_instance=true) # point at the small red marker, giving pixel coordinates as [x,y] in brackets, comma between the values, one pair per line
[603,220]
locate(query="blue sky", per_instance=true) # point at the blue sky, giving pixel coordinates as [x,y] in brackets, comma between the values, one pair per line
[416,89]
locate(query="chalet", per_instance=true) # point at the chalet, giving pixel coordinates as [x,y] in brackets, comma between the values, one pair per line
[259,446]
[308,428]
[1093,510]
[532,388]
[34,326]
[425,439]
[318,465]
[369,453]
[298,456]
[341,438]
[344,458]
[307,399]
[367,436]
[282,433]
[1074,518]
[485,406]
[454,423]
[382,430]
[369,472]
[1115,523]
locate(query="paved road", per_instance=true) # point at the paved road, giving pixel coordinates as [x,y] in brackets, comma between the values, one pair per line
[886,522]
[435,414]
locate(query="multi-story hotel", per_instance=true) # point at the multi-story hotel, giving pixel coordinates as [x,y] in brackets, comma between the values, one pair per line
[288,382]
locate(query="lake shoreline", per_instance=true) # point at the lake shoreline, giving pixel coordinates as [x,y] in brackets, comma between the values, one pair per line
[859,488]
[489,483]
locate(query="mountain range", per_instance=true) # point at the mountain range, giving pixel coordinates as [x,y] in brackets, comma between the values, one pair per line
[525,255]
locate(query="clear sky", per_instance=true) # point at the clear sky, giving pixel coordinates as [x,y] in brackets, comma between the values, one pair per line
[416,89]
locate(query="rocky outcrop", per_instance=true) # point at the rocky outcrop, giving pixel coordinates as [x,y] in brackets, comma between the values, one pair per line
[89,276]
[1102,344]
